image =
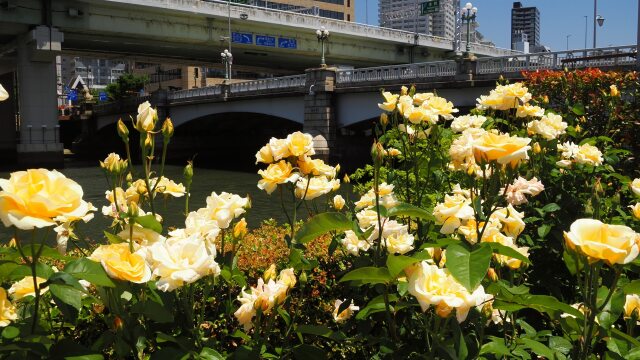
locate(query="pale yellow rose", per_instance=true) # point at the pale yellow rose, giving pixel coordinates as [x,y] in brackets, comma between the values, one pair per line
[436,287]
[37,198]
[246,311]
[346,313]
[462,123]
[146,118]
[450,213]
[512,220]
[8,311]
[613,91]
[279,148]
[614,244]
[390,101]
[121,264]
[632,307]
[404,104]
[517,91]
[550,126]
[396,237]
[287,277]
[300,144]
[439,106]
[264,155]
[471,229]
[180,261]
[419,98]
[225,207]
[113,163]
[24,287]
[169,187]
[635,186]
[366,218]
[317,186]
[635,210]
[352,244]
[393,152]
[316,167]
[4,95]
[338,202]
[588,154]
[502,148]
[141,236]
[505,260]
[270,273]
[276,174]
[527,110]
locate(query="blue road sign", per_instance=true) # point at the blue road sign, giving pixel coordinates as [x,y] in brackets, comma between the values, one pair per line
[242,38]
[264,40]
[102,96]
[287,43]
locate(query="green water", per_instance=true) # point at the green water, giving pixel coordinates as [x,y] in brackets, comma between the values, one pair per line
[205,181]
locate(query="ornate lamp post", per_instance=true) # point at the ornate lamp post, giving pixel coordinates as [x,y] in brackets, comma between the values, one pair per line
[227,60]
[323,35]
[468,15]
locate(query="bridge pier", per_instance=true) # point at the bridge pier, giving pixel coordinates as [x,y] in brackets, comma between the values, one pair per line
[39,143]
[319,111]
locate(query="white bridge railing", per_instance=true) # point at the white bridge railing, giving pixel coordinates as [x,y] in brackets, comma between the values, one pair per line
[207,91]
[397,72]
[600,57]
[293,82]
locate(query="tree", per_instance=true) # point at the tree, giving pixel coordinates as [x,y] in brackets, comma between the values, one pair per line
[127,85]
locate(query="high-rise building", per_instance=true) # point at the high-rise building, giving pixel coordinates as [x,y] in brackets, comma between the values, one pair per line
[525,20]
[405,15]
[334,9]
[95,73]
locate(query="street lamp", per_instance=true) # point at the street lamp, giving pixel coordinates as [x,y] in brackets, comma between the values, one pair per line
[596,19]
[227,60]
[322,34]
[469,16]
[568,36]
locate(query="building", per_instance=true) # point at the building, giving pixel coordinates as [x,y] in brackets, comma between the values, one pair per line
[521,43]
[525,20]
[333,9]
[96,73]
[405,15]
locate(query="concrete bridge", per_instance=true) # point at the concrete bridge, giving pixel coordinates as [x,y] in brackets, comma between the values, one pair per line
[333,104]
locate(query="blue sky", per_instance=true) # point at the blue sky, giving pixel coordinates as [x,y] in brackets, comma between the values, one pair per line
[558,18]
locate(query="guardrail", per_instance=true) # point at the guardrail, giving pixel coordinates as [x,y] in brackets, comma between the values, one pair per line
[207,91]
[398,72]
[293,82]
[600,57]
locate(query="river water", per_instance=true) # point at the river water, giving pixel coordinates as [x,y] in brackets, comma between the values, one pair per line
[205,181]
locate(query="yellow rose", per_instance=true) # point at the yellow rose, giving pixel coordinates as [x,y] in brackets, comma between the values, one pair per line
[346,313]
[502,148]
[279,148]
[316,167]
[588,154]
[635,210]
[436,287]
[287,277]
[439,106]
[614,244]
[24,287]
[113,163]
[529,111]
[147,117]
[4,95]
[121,264]
[338,202]
[452,212]
[316,186]
[264,155]
[390,101]
[277,173]
[240,229]
[270,273]
[141,236]
[37,198]
[300,144]
[246,311]
[635,186]
[420,98]
[8,311]
[168,187]
[613,90]
[550,126]
[632,307]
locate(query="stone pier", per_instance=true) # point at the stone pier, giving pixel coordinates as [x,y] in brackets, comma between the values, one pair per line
[319,111]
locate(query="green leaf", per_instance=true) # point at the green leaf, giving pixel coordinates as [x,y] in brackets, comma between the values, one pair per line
[404,209]
[149,222]
[10,332]
[319,330]
[308,352]
[507,251]
[544,230]
[539,348]
[210,354]
[67,294]
[469,268]
[154,311]
[113,239]
[368,275]
[322,224]
[495,347]
[397,263]
[552,207]
[560,344]
[573,263]
[578,109]
[375,305]
[90,271]
[632,287]
[21,271]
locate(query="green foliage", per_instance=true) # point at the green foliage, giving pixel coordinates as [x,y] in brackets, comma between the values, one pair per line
[127,85]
